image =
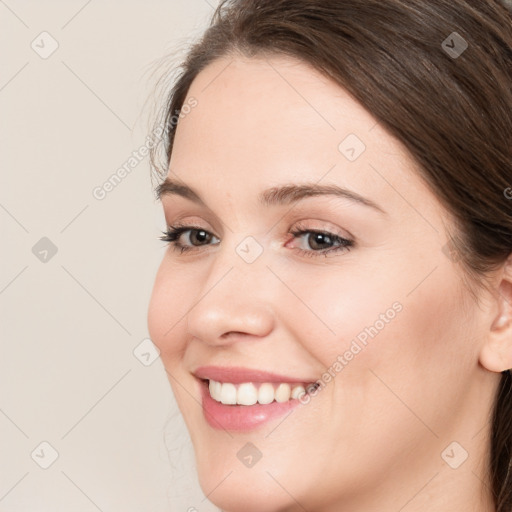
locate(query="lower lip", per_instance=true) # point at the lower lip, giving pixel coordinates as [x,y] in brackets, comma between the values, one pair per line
[241,418]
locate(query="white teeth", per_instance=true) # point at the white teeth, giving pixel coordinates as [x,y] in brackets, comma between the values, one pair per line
[228,394]
[298,391]
[215,390]
[266,393]
[248,393]
[283,393]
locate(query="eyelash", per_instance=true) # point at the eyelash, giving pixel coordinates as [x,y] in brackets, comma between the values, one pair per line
[173,233]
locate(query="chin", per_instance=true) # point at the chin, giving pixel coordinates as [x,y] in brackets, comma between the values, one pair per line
[243,491]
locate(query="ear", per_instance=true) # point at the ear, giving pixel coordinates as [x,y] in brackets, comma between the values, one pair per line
[496,354]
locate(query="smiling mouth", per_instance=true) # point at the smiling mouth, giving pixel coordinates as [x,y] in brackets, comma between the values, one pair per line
[251,393]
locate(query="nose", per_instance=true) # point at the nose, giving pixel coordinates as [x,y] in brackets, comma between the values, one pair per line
[235,303]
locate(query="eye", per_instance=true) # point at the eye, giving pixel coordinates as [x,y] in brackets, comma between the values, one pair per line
[321,242]
[197,237]
[315,239]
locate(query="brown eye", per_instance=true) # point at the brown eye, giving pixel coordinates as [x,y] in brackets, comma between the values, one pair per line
[317,241]
[200,235]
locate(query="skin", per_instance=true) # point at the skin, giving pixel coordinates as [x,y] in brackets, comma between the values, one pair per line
[372,438]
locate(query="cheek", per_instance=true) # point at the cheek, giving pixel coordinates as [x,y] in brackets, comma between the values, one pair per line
[390,341]
[405,313]
[170,300]
[335,309]
[167,309]
[432,335]
[415,369]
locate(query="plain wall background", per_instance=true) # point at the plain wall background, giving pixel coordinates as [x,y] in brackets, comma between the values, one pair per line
[69,325]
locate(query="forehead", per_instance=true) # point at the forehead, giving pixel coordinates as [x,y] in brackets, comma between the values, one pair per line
[264,121]
[275,99]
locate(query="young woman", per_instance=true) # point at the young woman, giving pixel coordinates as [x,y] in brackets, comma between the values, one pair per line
[334,312]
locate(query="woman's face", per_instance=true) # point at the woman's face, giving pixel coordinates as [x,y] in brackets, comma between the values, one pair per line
[382,322]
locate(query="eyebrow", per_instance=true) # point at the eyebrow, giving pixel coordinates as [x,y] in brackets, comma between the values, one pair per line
[279,195]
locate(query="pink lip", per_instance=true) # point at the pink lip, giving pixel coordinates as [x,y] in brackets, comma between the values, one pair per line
[241,418]
[238,374]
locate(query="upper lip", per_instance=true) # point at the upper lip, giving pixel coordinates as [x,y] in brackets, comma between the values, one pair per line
[238,374]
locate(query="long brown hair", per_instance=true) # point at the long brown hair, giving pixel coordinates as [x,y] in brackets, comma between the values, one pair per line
[437,75]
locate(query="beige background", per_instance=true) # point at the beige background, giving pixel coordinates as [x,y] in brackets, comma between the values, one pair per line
[70,321]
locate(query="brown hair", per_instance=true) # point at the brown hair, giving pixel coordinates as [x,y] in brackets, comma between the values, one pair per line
[450,106]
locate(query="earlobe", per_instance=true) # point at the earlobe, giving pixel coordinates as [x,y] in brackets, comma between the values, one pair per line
[492,358]
[496,354]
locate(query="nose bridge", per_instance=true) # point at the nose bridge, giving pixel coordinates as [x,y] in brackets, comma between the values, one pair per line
[235,296]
